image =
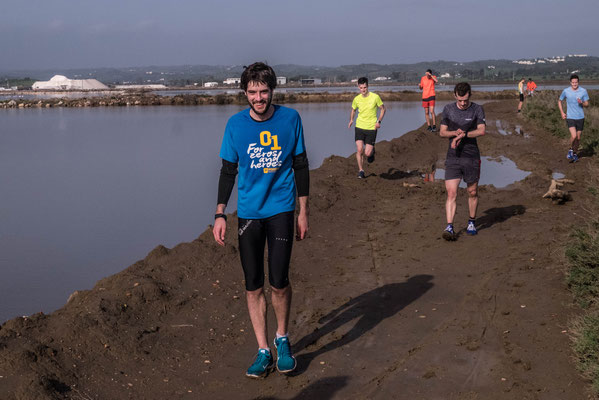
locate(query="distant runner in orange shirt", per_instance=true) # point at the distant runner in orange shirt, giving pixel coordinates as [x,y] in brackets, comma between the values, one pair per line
[530,87]
[427,84]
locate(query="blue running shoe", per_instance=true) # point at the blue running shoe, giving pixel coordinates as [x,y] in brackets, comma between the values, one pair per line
[570,155]
[471,229]
[285,360]
[574,158]
[448,233]
[361,175]
[262,366]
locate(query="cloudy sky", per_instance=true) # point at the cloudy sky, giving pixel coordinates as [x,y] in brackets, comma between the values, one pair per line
[44,34]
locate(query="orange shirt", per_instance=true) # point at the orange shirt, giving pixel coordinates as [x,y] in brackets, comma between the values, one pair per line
[428,87]
[531,85]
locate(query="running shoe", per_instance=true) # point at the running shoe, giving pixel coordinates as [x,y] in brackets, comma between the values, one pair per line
[449,234]
[361,175]
[429,128]
[570,155]
[262,366]
[434,128]
[471,229]
[285,360]
[370,158]
[574,158]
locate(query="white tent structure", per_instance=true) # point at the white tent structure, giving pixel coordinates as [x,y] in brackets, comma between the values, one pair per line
[60,82]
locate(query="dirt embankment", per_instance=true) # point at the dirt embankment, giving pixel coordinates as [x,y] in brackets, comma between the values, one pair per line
[383,307]
[152,99]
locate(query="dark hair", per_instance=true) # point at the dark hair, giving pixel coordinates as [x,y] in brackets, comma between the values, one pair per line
[574,76]
[258,72]
[363,81]
[429,71]
[462,88]
[530,79]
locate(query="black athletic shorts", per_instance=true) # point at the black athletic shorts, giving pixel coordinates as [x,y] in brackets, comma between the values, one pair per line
[521,97]
[467,169]
[575,123]
[368,137]
[277,231]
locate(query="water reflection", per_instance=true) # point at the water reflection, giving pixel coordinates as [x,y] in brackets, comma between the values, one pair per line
[499,172]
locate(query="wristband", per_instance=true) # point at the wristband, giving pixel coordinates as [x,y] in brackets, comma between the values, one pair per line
[379,121]
[466,134]
[220,216]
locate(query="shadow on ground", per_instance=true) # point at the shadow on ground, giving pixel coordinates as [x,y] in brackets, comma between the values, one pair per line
[369,309]
[394,174]
[324,389]
[496,215]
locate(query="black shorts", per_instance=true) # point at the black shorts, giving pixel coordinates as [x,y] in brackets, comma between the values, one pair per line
[575,123]
[521,97]
[368,137]
[277,231]
[467,169]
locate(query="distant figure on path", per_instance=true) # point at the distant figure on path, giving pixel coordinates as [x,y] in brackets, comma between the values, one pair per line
[427,84]
[521,94]
[463,121]
[576,98]
[531,86]
[266,141]
[367,123]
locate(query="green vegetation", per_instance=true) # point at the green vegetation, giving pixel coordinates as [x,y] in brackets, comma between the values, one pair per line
[488,71]
[542,109]
[20,83]
[582,250]
[582,253]
[586,346]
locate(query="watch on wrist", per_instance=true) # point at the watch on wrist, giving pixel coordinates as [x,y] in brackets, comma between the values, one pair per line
[216,216]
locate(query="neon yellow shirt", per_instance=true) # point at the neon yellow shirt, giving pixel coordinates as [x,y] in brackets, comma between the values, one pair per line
[366,107]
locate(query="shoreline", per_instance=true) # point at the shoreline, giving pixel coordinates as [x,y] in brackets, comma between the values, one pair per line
[152,99]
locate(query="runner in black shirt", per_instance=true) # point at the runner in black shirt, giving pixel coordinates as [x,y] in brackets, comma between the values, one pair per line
[463,121]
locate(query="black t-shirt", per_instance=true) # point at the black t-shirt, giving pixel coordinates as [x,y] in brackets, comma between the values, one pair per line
[466,120]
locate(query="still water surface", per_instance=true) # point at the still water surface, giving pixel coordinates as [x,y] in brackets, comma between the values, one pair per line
[87,192]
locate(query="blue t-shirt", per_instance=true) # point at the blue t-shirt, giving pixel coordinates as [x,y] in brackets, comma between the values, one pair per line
[575,110]
[264,151]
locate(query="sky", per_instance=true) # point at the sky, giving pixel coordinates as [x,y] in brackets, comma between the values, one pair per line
[46,34]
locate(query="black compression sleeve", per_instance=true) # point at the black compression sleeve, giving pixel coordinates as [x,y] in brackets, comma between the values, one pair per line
[226,181]
[301,171]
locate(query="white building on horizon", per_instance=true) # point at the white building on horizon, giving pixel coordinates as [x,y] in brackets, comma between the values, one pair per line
[210,84]
[61,82]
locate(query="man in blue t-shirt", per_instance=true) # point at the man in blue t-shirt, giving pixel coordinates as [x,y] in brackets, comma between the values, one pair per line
[576,98]
[266,143]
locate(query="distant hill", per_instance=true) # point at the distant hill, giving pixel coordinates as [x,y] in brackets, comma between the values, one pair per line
[550,68]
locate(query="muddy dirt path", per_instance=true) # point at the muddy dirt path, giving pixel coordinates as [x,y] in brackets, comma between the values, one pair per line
[383,307]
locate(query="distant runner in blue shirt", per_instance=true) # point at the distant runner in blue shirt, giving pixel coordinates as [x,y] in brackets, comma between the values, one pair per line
[266,143]
[576,99]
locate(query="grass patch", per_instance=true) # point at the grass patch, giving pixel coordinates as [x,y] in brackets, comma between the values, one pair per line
[586,346]
[582,254]
[543,111]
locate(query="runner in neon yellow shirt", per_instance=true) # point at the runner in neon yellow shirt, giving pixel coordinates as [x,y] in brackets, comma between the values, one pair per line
[367,123]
